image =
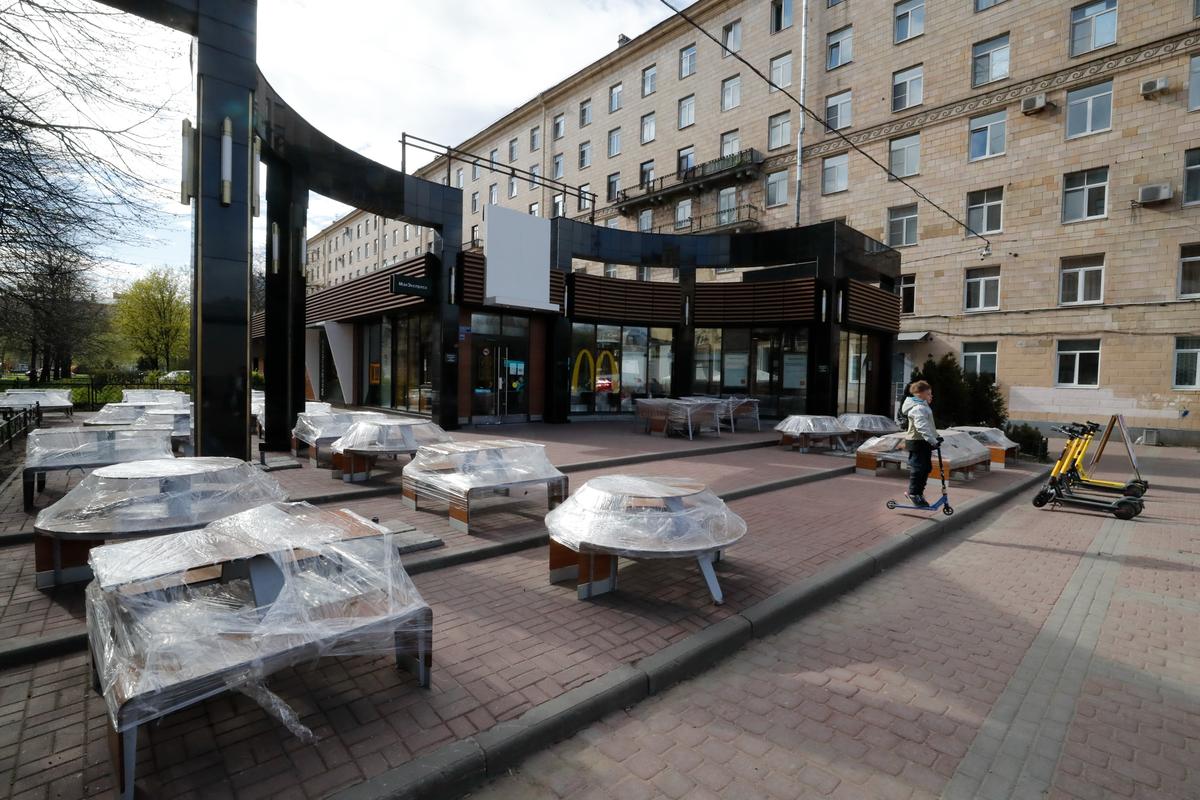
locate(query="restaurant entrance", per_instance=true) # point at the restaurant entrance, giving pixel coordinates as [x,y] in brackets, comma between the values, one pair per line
[499,369]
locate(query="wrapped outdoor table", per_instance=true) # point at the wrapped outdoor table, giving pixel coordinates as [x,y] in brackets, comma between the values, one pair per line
[320,429]
[803,431]
[166,396]
[733,408]
[961,454]
[869,424]
[49,400]
[258,408]
[459,473]
[640,518]
[1001,448]
[178,419]
[142,498]
[56,449]
[367,440]
[688,416]
[126,413]
[178,619]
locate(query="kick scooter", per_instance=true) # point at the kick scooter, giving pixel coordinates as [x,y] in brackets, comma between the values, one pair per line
[942,502]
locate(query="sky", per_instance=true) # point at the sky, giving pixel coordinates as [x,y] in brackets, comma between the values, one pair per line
[363,71]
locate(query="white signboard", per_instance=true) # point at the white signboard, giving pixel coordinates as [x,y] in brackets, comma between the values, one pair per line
[517,247]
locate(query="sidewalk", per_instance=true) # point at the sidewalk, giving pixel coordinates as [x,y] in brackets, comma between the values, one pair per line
[1038,653]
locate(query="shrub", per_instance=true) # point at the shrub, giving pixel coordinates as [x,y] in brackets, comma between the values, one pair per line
[1030,440]
[961,399]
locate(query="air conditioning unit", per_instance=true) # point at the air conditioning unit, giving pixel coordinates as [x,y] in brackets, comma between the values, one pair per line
[1154,193]
[1033,104]
[1153,87]
[1150,437]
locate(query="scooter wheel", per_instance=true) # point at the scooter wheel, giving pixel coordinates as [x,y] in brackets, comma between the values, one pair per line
[1041,498]
[891,504]
[947,510]
[1125,511]
[1134,490]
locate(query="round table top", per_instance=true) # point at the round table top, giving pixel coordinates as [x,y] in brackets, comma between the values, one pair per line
[644,487]
[167,468]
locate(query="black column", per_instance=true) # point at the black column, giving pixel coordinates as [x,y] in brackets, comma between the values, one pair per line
[226,79]
[683,348]
[287,208]
[557,407]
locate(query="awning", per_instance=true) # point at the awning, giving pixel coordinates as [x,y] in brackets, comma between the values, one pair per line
[912,336]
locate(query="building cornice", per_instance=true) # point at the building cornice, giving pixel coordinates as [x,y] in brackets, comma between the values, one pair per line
[1075,74]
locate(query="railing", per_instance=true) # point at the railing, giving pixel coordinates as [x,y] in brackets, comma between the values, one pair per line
[749,159]
[18,423]
[91,392]
[473,245]
[744,215]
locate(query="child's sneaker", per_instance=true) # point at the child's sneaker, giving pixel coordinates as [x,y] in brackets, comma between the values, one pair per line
[917,500]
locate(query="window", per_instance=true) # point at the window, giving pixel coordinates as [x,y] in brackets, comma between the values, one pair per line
[731,37]
[645,220]
[777,188]
[646,173]
[648,128]
[535,209]
[1093,25]
[475,171]
[908,294]
[687,111]
[1189,270]
[1089,110]
[731,93]
[560,126]
[1085,194]
[727,206]
[512,186]
[910,20]
[535,172]
[685,159]
[494,193]
[1194,84]
[643,273]
[779,131]
[1079,362]
[905,156]
[907,88]
[987,135]
[585,155]
[839,47]
[781,71]
[1081,280]
[458,178]
[535,138]
[985,210]
[902,226]
[837,111]
[614,98]
[731,143]
[1187,362]
[979,358]
[585,197]
[474,202]
[649,80]
[556,166]
[989,60]
[982,289]
[513,144]
[1191,176]
[683,214]
[614,187]
[585,113]
[687,61]
[614,142]
[781,15]
[610,270]
[493,158]
[835,174]
[559,206]
[983,5]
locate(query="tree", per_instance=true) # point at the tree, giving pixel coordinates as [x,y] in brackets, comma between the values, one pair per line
[153,316]
[961,399]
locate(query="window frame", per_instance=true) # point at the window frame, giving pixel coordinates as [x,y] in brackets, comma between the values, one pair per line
[653,127]
[771,72]
[612,186]
[688,151]
[688,61]
[773,182]
[1191,171]
[585,113]
[843,166]
[1059,353]
[651,73]
[1089,101]
[843,43]
[1184,260]
[1194,82]
[908,283]
[558,166]
[782,19]
[615,97]
[982,281]
[585,154]
[726,30]
[786,127]
[1085,188]
[535,138]
[643,179]
[976,55]
[559,126]
[1071,265]
[971,129]
[908,12]
[849,104]
[985,205]
[733,82]
[978,355]
[648,215]
[1092,23]
[736,133]
[688,103]
[907,144]
[1193,351]
[908,83]
[686,222]
[610,140]
[514,145]
[893,217]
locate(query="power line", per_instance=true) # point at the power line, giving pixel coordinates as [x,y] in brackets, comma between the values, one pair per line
[817,118]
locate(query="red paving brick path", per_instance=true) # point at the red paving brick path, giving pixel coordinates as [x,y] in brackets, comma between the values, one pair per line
[504,641]
[882,693]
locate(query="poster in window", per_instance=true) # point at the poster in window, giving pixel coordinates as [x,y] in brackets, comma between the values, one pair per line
[737,366]
[795,370]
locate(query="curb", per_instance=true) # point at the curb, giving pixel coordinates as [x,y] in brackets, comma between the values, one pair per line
[663,455]
[27,649]
[452,770]
[24,537]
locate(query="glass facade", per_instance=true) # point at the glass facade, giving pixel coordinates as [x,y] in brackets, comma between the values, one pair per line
[770,364]
[613,365]
[858,357]
[394,369]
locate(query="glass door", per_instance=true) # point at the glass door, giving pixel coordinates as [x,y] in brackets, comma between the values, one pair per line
[499,369]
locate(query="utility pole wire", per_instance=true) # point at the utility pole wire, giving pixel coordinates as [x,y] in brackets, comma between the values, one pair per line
[818,118]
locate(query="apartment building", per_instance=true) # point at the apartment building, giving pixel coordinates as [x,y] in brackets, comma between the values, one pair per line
[356,245]
[1055,242]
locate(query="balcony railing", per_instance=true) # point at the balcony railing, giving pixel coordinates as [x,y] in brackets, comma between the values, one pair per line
[743,217]
[741,166]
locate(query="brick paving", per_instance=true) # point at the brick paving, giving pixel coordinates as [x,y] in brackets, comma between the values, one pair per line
[505,640]
[1037,654]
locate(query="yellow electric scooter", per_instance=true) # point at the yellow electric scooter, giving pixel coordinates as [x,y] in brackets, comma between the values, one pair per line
[1058,488]
[1077,473]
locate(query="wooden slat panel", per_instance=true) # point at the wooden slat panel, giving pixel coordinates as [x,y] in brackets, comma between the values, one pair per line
[370,294]
[612,299]
[721,304]
[473,269]
[258,325]
[869,306]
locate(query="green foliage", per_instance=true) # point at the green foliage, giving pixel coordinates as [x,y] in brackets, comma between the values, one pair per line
[153,318]
[1031,441]
[961,399]
[257,381]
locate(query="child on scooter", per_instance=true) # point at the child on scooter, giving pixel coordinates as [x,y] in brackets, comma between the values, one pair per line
[920,439]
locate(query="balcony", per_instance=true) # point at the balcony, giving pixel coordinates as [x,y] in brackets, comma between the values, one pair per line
[736,168]
[737,219]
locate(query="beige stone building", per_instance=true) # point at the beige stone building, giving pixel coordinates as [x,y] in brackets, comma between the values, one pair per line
[1064,134]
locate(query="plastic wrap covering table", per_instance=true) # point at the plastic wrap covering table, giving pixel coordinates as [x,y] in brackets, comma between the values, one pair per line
[354,454]
[125,413]
[733,409]
[177,418]
[175,620]
[1001,448]
[57,449]
[869,424]
[803,431]
[687,416]
[167,396]
[961,454]
[459,473]
[49,400]
[320,429]
[640,518]
[258,407]
[138,499]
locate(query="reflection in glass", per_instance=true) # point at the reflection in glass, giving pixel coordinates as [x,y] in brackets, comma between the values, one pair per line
[661,359]
[608,375]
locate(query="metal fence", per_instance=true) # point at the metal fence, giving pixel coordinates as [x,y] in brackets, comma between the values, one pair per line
[18,423]
[90,393]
